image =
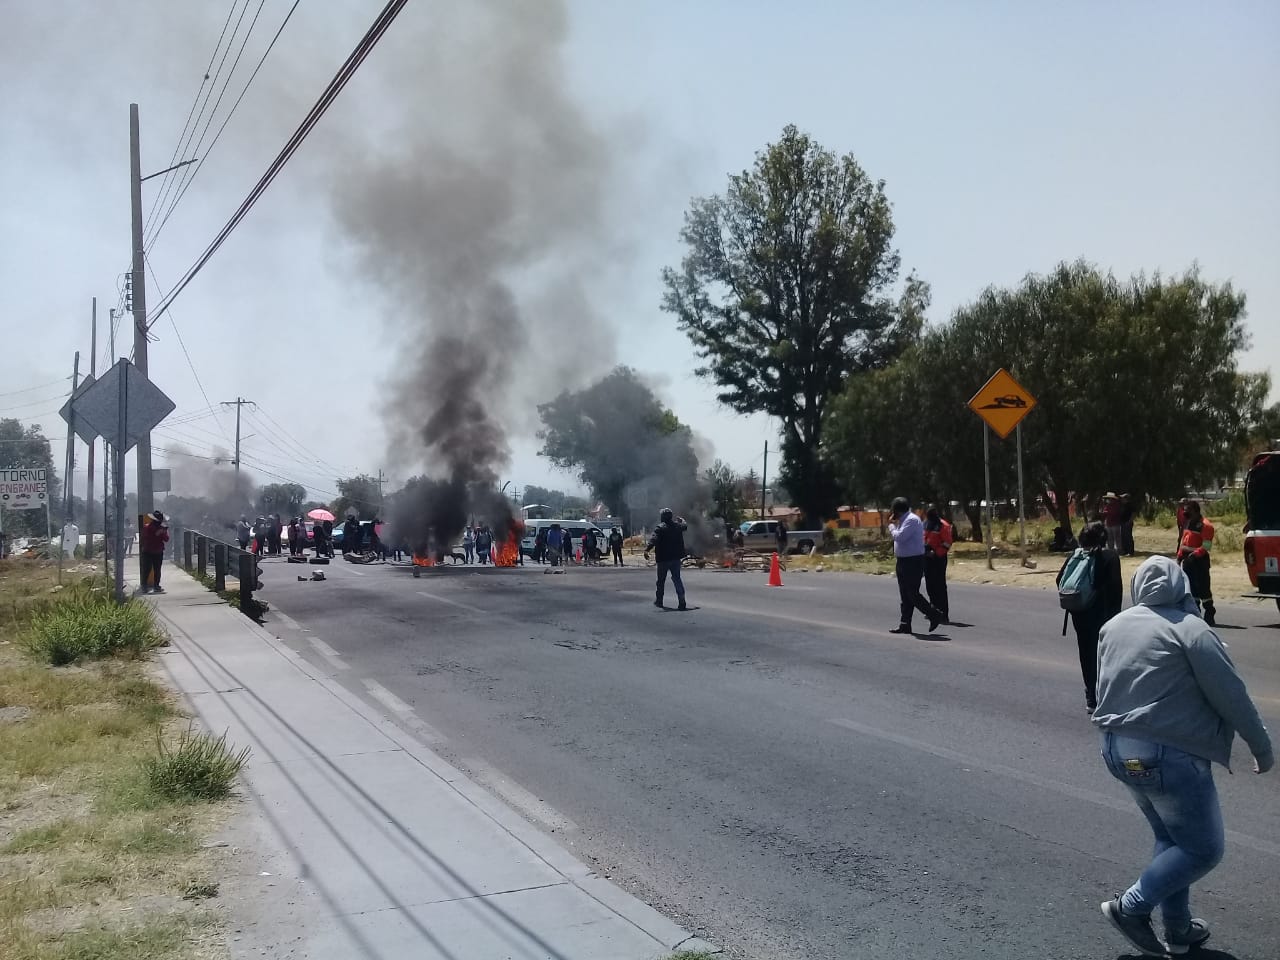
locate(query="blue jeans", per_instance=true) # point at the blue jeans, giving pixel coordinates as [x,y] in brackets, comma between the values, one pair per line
[1175,792]
[670,567]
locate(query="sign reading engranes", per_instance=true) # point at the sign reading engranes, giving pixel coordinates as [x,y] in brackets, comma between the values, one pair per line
[23,488]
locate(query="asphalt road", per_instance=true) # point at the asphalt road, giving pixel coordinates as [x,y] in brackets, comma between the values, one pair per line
[780,774]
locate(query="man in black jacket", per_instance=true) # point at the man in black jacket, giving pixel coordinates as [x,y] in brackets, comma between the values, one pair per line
[1108,598]
[667,542]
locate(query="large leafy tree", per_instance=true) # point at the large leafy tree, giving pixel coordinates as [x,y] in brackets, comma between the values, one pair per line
[624,444]
[787,288]
[359,495]
[285,499]
[1137,385]
[28,447]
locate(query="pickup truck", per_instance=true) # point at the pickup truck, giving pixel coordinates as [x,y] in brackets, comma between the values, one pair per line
[763,535]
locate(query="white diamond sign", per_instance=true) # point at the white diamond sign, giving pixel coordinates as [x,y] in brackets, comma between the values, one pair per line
[83,430]
[122,406]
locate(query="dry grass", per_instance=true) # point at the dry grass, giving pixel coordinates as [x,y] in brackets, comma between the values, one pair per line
[93,862]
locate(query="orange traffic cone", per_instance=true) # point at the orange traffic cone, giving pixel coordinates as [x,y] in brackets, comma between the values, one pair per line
[775,572]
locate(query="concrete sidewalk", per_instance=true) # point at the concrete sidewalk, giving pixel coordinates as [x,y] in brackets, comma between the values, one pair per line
[367,844]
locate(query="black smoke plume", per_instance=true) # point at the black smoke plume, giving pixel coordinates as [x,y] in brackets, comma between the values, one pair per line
[479,218]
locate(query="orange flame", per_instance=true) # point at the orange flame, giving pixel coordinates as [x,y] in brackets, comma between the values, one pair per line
[422,560]
[507,552]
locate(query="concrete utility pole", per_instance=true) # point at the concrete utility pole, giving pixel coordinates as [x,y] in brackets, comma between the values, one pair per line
[93,372]
[381,478]
[146,497]
[764,479]
[68,487]
[238,402]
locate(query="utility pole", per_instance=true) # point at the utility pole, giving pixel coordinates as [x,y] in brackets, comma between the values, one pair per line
[764,479]
[146,497]
[106,458]
[381,478]
[238,402]
[93,372]
[70,461]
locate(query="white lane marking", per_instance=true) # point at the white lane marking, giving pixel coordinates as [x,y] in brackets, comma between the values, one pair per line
[404,713]
[1089,796]
[291,623]
[330,654]
[452,603]
[517,796]
[387,698]
[358,573]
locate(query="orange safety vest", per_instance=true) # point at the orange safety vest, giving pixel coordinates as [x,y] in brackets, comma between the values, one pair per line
[938,542]
[1197,538]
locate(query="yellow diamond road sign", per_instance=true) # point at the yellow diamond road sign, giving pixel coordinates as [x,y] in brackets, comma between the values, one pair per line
[1002,402]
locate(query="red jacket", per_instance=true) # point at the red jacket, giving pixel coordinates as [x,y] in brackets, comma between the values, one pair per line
[153,537]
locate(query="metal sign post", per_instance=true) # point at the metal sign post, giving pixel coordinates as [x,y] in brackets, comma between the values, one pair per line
[1002,403]
[1022,512]
[986,465]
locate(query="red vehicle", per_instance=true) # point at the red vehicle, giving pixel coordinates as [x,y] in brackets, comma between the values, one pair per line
[1262,526]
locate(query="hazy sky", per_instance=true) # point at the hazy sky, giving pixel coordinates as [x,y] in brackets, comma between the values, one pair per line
[1142,136]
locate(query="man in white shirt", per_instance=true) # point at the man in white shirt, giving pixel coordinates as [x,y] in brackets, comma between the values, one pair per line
[908,548]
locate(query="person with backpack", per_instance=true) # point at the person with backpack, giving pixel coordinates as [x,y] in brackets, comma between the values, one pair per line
[1091,592]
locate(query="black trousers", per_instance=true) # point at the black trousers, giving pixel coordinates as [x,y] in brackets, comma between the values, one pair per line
[149,565]
[910,571]
[617,554]
[935,581]
[1087,626]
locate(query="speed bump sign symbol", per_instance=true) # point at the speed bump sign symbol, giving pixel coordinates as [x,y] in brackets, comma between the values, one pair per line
[1002,402]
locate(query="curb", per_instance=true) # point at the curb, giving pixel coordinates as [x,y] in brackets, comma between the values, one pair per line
[505,817]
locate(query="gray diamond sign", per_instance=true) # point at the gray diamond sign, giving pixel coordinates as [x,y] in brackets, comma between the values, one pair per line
[122,406]
[83,430]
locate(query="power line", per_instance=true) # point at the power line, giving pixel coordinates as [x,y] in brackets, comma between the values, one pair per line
[227,119]
[39,386]
[340,80]
[183,345]
[33,403]
[189,129]
[297,447]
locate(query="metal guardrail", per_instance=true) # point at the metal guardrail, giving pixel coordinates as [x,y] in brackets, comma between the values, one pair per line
[197,549]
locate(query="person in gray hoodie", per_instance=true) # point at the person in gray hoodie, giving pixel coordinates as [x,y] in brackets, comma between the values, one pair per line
[1170,704]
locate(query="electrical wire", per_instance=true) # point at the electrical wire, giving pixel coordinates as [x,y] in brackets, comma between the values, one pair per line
[39,386]
[297,447]
[340,80]
[34,403]
[172,176]
[183,345]
[227,119]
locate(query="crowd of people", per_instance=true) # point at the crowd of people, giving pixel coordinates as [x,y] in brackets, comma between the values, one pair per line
[555,545]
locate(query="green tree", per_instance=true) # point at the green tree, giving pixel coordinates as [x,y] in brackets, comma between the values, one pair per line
[1137,385]
[359,495]
[285,499]
[28,447]
[787,288]
[727,492]
[624,444]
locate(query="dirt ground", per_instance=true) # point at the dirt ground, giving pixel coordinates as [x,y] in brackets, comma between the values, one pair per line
[968,561]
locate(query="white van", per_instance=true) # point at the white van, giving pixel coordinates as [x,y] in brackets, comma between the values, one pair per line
[575,529]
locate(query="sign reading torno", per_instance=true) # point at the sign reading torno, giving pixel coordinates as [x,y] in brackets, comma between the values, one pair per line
[23,488]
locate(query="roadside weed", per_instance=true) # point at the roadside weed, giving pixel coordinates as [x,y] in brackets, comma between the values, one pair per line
[199,767]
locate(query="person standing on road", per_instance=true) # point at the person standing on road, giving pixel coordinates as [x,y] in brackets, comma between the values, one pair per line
[483,543]
[566,541]
[938,537]
[780,534]
[1193,555]
[153,535]
[1108,597]
[615,546]
[1170,703]
[667,543]
[554,544]
[244,532]
[908,549]
[540,546]
[468,545]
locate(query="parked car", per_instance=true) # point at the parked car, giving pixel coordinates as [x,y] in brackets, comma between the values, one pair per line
[366,526]
[575,529]
[763,535]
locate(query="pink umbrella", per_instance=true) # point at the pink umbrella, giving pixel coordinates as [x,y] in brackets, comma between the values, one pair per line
[320,513]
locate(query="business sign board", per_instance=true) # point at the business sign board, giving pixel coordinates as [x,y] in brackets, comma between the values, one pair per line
[24,488]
